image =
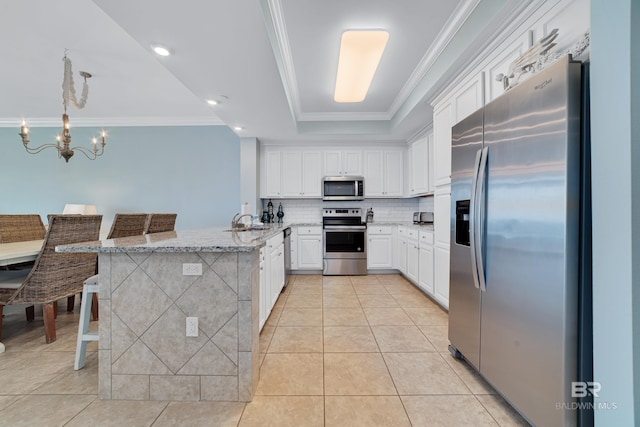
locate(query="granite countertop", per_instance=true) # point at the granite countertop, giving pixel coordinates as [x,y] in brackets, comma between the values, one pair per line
[214,239]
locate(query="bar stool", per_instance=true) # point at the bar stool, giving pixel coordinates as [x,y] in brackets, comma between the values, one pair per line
[89,289]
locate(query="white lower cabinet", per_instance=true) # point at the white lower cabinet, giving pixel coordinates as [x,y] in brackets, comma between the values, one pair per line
[264,311]
[308,248]
[271,275]
[380,247]
[413,256]
[441,291]
[276,276]
[401,250]
[425,278]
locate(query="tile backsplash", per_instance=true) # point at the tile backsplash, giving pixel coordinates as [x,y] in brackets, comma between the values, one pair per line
[385,210]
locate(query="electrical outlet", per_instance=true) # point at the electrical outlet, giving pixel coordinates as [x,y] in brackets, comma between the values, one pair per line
[194,269]
[192,326]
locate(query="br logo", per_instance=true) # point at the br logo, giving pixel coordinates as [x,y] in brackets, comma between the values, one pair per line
[585,388]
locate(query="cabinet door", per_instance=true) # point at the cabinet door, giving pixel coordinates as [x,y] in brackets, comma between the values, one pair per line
[426,269]
[442,216]
[272,175]
[418,167]
[352,162]
[413,259]
[379,251]
[442,275]
[291,174]
[442,122]
[264,299]
[393,174]
[311,174]
[332,163]
[277,273]
[469,98]
[310,252]
[430,164]
[402,255]
[373,183]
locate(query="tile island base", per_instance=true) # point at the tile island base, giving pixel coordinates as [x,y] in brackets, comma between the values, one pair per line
[144,353]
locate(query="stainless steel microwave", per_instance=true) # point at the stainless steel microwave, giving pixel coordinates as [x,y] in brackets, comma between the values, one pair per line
[343,188]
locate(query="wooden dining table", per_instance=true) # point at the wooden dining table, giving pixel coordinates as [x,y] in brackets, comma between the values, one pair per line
[17,253]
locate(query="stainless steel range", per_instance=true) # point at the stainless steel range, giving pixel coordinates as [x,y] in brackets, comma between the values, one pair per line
[345,242]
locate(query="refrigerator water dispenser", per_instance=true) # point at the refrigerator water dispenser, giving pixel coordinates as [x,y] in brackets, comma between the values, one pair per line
[462,222]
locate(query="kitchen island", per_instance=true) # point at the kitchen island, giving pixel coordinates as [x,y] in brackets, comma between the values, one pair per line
[149,285]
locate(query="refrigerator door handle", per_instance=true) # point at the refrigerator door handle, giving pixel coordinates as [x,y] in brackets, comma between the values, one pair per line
[472,219]
[480,218]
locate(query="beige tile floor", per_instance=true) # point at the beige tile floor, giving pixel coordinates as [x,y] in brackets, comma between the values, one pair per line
[336,351]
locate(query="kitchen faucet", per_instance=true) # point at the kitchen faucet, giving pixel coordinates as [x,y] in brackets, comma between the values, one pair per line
[235,222]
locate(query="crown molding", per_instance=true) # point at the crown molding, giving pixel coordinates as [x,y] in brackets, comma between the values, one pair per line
[451,27]
[114,121]
[511,19]
[344,117]
[277,31]
[420,133]
[276,28]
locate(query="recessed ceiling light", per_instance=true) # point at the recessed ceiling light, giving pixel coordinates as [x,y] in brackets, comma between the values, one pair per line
[360,53]
[238,128]
[217,100]
[161,50]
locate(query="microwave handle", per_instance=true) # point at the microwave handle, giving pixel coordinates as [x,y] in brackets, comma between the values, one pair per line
[355,183]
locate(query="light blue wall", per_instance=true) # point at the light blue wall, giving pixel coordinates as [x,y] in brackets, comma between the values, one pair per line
[191,170]
[615,154]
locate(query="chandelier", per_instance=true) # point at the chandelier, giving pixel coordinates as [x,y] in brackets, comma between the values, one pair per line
[63,141]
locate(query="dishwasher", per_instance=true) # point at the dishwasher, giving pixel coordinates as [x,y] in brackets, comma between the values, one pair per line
[287,256]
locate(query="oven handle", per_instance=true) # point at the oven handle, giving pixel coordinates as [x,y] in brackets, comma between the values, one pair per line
[345,227]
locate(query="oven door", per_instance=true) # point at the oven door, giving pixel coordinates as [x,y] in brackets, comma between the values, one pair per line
[345,241]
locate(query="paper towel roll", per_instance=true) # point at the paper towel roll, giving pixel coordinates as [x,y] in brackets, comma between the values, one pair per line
[245,208]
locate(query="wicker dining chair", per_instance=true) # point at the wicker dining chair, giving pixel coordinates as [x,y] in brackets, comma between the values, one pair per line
[160,222]
[55,275]
[127,225]
[21,228]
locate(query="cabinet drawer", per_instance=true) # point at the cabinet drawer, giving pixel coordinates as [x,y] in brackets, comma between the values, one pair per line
[402,231]
[412,234]
[309,230]
[426,237]
[275,241]
[380,229]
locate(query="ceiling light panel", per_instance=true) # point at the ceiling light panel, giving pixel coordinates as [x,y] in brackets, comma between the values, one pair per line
[161,50]
[360,54]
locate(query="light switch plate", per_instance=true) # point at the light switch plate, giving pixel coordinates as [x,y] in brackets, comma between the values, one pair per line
[192,269]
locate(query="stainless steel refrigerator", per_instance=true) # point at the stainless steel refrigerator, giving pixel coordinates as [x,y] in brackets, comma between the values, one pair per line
[516,271]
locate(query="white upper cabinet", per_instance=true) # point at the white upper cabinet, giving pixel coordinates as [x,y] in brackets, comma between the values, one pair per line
[342,163]
[297,173]
[271,177]
[301,172]
[418,159]
[442,121]
[383,173]
[431,163]
[465,100]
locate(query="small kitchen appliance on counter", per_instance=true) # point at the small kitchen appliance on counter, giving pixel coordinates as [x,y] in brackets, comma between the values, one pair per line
[423,217]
